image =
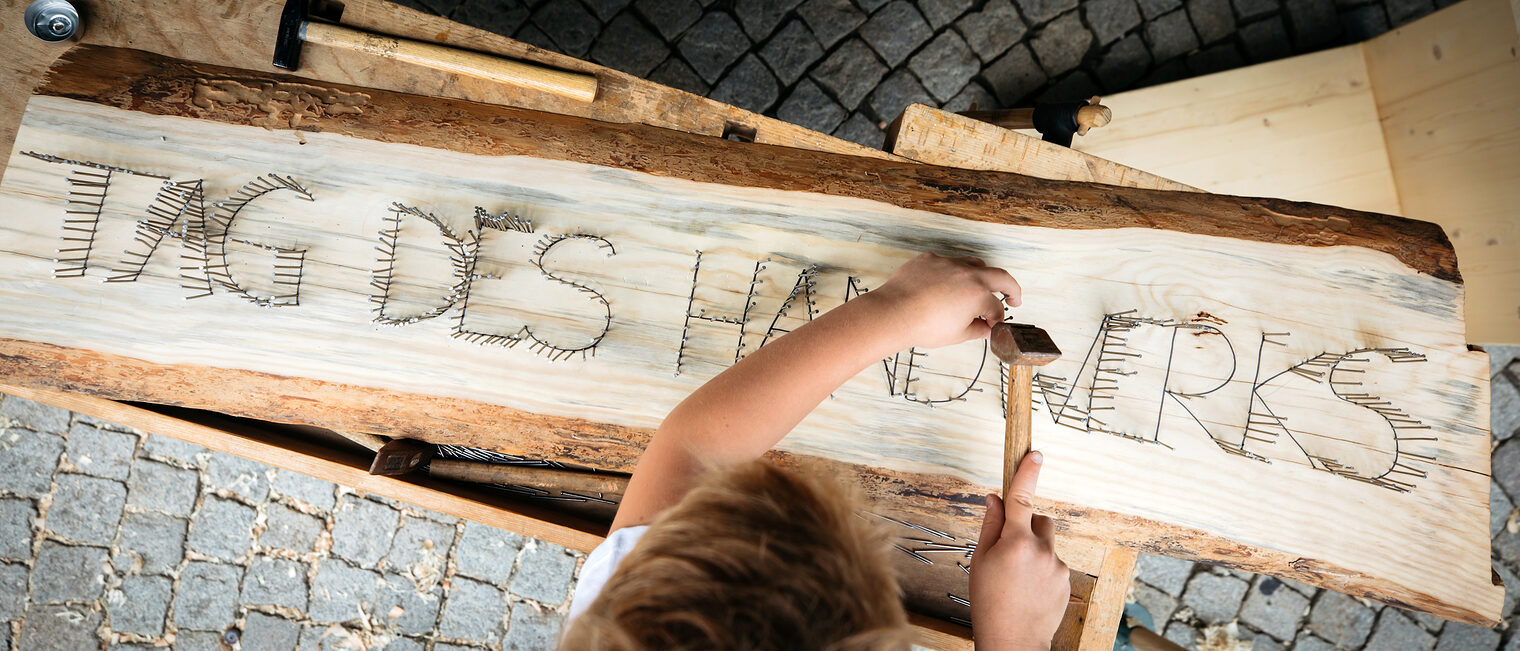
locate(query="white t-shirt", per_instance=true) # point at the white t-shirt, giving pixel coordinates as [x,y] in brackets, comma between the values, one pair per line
[600,565]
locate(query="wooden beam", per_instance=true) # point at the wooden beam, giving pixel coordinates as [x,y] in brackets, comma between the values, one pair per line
[1106,605]
[1229,272]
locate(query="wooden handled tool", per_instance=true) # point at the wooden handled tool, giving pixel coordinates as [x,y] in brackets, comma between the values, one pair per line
[1057,122]
[1022,347]
[403,456]
[295,29]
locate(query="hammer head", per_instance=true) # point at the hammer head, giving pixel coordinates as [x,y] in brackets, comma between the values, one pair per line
[1019,344]
[287,39]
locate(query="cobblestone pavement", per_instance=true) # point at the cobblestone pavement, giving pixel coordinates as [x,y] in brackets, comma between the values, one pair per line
[1191,602]
[848,67]
[113,538]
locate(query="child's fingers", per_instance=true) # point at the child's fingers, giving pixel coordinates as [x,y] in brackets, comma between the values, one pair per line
[992,525]
[992,309]
[1043,529]
[1002,282]
[1018,504]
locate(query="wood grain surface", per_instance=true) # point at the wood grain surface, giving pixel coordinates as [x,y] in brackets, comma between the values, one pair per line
[1229,296]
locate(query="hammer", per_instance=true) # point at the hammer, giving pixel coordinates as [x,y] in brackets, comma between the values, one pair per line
[1022,347]
[295,29]
[1056,121]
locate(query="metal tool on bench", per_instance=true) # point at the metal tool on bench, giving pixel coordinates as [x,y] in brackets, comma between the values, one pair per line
[296,28]
[52,20]
[1057,122]
[1022,347]
[403,456]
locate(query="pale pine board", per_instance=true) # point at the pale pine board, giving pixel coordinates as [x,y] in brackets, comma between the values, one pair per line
[1329,298]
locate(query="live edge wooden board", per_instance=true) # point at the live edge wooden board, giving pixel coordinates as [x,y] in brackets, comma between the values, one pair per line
[1278,386]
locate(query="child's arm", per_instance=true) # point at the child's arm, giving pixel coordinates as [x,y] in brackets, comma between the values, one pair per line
[740,414]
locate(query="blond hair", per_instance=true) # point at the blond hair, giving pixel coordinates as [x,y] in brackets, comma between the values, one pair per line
[752,558]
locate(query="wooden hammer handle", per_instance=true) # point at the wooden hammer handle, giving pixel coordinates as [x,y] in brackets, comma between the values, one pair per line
[573,85]
[1016,437]
[542,478]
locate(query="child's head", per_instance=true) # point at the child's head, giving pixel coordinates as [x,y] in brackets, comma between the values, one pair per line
[753,558]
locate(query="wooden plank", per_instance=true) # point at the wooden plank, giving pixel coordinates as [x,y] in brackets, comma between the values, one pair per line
[241,35]
[929,135]
[1106,605]
[1341,281]
[1446,93]
[1303,128]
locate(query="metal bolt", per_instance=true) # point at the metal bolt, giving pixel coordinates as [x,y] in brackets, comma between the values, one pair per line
[52,20]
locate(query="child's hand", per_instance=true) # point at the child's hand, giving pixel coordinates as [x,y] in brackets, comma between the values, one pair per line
[934,301]
[1019,588]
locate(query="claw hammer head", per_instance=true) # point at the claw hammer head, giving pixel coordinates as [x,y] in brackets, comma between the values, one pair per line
[1019,344]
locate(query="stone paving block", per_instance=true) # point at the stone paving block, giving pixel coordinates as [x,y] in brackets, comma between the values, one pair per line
[140,604]
[473,610]
[670,17]
[712,45]
[1265,40]
[810,107]
[487,553]
[167,447]
[1214,599]
[101,453]
[940,12]
[1252,9]
[404,644]
[676,74]
[945,65]
[1506,466]
[29,459]
[1183,635]
[222,529]
[68,573]
[491,15]
[536,37]
[748,85]
[362,530]
[16,533]
[151,543]
[1123,63]
[850,72]
[531,628]
[198,641]
[895,93]
[1500,357]
[1274,609]
[5,636]
[1039,11]
[993,29]
[831,20]
[207,596]
[162,487]
[1062,44]
[629,46]
[1214,20]
[570,26]
[1259,641]
[1315,23]
[1153,9]
[1159,604]
[244,478]
[1341,620]
[1218,58]
[1511,597]
[341,592]
[35,416]
[262,631]
[544,574]
[12,590]
[1466,637]
[444,646]
[791,51]
[895,31]
[275,582]
[973,97]
[1395,632]
[604,10]
[1014,76]
[1504,406]
[1168,574]
[86,509]
[1425,620]
[1111,19]
[870,5]
[408,609]
[306,489]
[421,543]
[1403,11]
[760,17]
[1170,36]
[59,628]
